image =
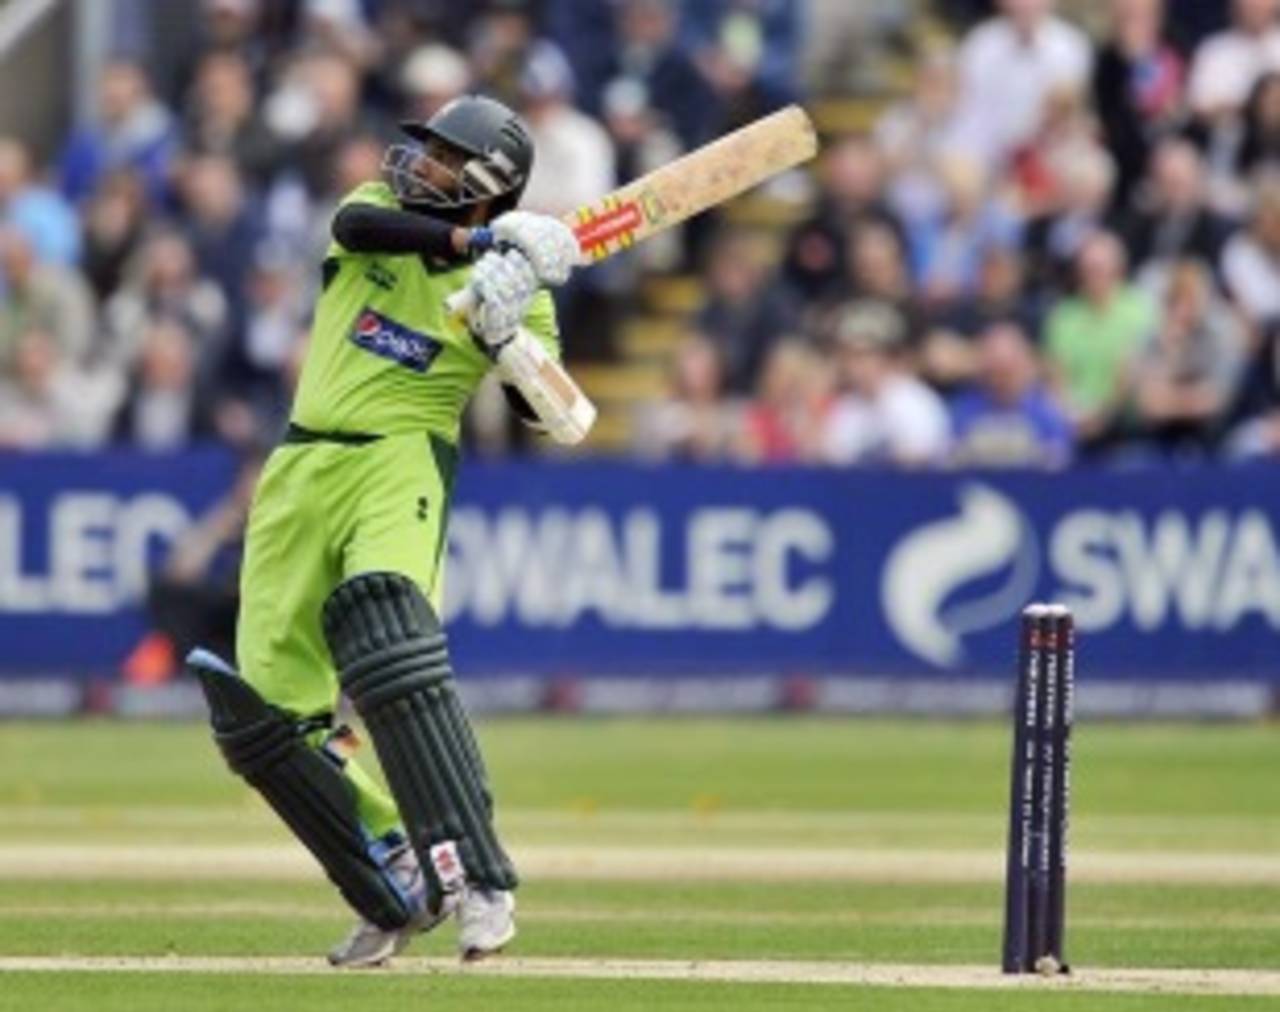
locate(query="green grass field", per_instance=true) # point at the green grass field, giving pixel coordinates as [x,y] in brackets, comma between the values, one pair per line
[788,849]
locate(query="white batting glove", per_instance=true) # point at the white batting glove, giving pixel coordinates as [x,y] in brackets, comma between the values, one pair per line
[547,243]
[503,285]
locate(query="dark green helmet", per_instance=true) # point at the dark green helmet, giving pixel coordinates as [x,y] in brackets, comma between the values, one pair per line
[498,158]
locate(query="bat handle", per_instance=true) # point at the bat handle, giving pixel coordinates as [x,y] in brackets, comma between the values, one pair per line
[460,303]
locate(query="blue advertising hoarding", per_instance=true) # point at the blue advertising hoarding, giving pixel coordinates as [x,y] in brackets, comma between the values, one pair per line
[589,568]
[79,535]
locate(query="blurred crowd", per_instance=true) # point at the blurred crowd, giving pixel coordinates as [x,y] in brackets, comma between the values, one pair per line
[1062,243]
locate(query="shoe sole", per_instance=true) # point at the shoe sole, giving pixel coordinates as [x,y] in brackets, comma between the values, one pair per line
[365,963]
[476,954]
[394,948]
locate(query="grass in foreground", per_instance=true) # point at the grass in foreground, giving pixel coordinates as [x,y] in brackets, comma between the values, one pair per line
[74,992]
[903,786]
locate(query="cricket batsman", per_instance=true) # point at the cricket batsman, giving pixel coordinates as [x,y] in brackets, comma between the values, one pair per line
[341,585]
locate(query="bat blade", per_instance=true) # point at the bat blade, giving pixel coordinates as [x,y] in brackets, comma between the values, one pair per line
[699,180]
[712,174]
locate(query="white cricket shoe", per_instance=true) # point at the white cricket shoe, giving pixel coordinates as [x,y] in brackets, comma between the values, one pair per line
[369,945]
[485,922]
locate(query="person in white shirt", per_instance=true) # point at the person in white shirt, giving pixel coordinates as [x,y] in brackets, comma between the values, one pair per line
[1228,64]
[887,415]
[1251,259]
[1009,65]
[575,163]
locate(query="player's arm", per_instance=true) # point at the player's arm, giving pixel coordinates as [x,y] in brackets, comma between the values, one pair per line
[368,228]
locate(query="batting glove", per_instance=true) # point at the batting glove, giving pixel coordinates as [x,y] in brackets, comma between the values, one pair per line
[503,285]
[547,243]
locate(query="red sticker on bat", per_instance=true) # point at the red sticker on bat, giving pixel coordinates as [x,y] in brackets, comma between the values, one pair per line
[617,223]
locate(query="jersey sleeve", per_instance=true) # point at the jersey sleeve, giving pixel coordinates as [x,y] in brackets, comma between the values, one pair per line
[375,193]
[540,321]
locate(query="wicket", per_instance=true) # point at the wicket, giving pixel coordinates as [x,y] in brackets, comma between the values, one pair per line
[1040,793]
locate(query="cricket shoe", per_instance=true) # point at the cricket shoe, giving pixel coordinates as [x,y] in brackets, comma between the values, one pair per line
[485,922]
[369,945]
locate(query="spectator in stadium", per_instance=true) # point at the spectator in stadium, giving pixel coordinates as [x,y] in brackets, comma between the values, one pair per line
[113,225]
[500,42]
[879,270]
[695,421]
[340,27]
[1009,65]
[575,163]
[1138,84]
[642,144]
[222,224]
[746,52]
[1254,419]
[47,403]
[265,345]
[1251,258]
[639,133]
[163,283]
[947,249]
[1171,217]
[48,298]
[222,117]
[853,48]
[1008,418]
[916,134]
[646,51]
[744,314]
[313,111]
[1190,370]
[1093,339]
[166,408]
[852,195]
[433,75]
[1001,294]
[948,354]
[785,422]
[1080,208]
[276,311]
[885,414]
[133,131]
[357,161]
[1227,65]
[1260,144]
[39,213]
[1041,169]
[575,166]
[235,26]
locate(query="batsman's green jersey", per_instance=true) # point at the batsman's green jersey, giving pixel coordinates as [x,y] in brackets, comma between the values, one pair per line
[366,487]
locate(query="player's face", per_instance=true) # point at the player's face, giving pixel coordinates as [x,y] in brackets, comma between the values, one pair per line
[430,175]
[441,167]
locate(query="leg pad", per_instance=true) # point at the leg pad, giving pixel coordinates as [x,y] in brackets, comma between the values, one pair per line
[306,788]
[393,664]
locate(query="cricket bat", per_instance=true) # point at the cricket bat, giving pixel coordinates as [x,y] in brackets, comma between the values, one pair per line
[691,184]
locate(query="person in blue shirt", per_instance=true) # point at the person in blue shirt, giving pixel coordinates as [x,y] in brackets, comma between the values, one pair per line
[1009,417]
[133,131]
[46,220]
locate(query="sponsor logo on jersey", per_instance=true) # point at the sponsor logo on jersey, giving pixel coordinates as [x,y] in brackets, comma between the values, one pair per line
[386,338]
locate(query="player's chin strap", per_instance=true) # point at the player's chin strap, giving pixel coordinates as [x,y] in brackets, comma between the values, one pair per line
[561,406]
